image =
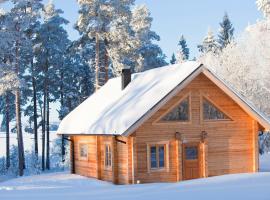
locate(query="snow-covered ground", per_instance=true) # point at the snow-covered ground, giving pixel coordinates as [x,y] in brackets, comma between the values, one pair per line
[56,186]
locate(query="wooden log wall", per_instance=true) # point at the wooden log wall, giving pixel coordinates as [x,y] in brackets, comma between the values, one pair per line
[231,145]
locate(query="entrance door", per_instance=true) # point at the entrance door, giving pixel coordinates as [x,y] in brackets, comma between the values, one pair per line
[191,164]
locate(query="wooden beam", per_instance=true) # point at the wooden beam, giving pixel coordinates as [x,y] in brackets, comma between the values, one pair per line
[115,161]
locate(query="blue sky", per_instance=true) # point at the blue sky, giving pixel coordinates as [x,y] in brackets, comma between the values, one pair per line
[188,17]
[192,18]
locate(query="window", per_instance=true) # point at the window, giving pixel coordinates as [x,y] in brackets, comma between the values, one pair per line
[83,151]
[191,153]
[179,113]
[157,156]
[108,156]
[211,112]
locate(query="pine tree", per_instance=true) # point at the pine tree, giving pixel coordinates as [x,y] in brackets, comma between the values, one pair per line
[226,32]
[183,49]
[209,43]
[264,7]
[151,54]
[20,16]
[108,23]
[53,42]
[173,59]
[95,17]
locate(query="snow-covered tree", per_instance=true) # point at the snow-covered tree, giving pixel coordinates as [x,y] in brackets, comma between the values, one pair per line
[183,49]
[264,7]
[19,22]
[226,32]
[209,43]
[245,64]
[152,55]
[52,42]
[124,36]
[95,21]
[78,75]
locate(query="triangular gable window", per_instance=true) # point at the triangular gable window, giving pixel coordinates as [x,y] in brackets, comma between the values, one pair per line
[211,112]
[178,113]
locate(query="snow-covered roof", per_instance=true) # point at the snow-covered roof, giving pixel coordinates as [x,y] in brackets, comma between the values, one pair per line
[114,111]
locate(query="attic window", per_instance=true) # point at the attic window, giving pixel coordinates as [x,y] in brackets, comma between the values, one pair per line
[211,112]
[178,113]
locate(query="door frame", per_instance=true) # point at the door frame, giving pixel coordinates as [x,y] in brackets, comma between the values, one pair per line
[201,158]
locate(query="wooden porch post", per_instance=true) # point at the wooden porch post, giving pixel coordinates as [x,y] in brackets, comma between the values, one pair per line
[115,161]
[72,156]
[98,157]
[179,162]
[204,150]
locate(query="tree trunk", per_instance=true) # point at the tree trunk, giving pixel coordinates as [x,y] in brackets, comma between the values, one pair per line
[35,111]
[97,63]
[106,63]
[7,131]
[44,124]
[48,134]
[63,151]
[18,117]
[62,90]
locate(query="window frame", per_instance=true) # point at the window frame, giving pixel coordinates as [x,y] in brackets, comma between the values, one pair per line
[164,144]
[159,120]
[203,97]
[110,156]
[80,143]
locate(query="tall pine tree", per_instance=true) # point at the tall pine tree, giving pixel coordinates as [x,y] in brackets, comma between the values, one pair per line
[183,48]
[53,42]
[226,32]
[173,59]
[151,54]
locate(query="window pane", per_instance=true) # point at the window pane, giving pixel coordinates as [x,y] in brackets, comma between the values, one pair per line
[191,153]
[108,156]
[83,150]
[211,112]
[161,156]
[179,113]
[153,157]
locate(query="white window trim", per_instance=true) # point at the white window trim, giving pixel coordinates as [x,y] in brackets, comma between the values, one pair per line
[79,150]
[202,97]
[159,121]
[167,159]
[105,166]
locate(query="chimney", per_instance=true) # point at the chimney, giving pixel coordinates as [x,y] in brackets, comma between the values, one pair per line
[126,77]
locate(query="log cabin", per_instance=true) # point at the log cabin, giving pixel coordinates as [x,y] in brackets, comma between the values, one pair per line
[168,124]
